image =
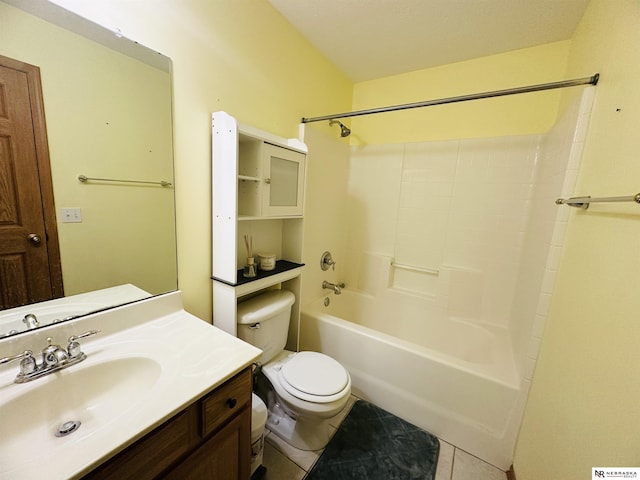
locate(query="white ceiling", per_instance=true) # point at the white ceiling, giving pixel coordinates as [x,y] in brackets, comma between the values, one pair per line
[370,39]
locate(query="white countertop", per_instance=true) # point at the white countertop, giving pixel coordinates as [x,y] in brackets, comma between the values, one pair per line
[81,304]
[194,357]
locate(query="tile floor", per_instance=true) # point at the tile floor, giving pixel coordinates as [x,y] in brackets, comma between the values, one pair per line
[284,462]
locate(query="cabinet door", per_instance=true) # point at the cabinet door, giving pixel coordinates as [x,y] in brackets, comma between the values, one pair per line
[284,179]
[225,456]
[153,454]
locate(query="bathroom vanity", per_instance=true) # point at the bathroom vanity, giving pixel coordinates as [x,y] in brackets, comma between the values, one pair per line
[208,439]
[160,394]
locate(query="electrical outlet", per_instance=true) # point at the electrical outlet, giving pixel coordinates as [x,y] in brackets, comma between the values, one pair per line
[71,215]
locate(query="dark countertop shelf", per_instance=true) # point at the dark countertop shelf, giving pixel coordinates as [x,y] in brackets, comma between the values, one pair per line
[281,266]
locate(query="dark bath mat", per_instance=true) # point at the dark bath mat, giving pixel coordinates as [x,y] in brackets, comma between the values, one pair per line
[373,444]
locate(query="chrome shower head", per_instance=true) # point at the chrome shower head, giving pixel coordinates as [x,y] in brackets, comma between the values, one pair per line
[344,131]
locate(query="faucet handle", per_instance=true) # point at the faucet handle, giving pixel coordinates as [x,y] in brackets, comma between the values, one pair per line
[327,261]
[73,338]
[73,349]
[25,354]
[27,362]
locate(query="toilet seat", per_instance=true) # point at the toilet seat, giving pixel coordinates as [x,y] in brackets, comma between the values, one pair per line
[314,377]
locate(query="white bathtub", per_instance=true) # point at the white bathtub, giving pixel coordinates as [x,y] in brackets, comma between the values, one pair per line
[454,378]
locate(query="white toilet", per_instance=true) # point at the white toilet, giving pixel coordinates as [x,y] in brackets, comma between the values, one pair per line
[308,387]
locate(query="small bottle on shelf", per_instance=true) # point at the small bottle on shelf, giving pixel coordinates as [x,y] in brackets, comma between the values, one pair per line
[249,270]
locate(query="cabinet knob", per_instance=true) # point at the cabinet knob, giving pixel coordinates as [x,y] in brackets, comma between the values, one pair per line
[267,181]
[231,402]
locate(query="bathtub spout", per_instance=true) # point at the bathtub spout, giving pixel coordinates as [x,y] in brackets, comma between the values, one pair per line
[336,287]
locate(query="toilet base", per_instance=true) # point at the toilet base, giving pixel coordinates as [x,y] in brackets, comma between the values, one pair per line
[300,432]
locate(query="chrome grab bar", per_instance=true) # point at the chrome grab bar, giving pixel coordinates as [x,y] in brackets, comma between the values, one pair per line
[413,268]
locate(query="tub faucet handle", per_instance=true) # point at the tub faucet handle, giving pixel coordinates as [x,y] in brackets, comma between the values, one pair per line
[327,261]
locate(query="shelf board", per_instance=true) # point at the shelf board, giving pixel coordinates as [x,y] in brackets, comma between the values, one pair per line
[285,270]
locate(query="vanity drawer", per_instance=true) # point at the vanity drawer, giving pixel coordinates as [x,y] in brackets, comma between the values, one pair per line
[225,402]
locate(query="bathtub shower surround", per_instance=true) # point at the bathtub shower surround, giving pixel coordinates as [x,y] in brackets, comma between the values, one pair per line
[461,203]
[451,258]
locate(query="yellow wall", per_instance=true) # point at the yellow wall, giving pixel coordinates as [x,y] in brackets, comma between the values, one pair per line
[512,115]
[583,409]
[240,56]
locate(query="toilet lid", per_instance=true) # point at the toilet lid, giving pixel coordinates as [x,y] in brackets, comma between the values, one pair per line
[311,374]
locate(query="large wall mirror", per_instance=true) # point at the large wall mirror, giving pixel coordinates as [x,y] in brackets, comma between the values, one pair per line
[107,102]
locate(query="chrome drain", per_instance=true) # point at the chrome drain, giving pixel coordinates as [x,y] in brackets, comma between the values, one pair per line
[68,428]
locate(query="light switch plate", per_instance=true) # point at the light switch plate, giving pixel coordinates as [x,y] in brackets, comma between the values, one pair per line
[71,215]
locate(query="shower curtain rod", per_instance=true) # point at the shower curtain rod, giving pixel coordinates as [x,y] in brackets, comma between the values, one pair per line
[593,80]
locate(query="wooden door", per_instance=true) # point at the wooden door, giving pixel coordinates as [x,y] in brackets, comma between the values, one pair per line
[30,269]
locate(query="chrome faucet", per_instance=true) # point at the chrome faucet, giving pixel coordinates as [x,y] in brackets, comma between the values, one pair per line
[53,355]
[31,321]
[336,287]
[54,358]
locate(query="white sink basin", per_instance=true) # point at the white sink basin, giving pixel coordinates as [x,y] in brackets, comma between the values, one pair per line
[95,395]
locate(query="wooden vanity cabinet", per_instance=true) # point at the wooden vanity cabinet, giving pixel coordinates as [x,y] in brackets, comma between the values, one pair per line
[210,439]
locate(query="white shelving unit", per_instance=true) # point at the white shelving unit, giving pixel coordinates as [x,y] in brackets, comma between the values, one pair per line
[258,189]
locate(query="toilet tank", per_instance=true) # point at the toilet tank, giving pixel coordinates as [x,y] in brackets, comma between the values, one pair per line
[263,321]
